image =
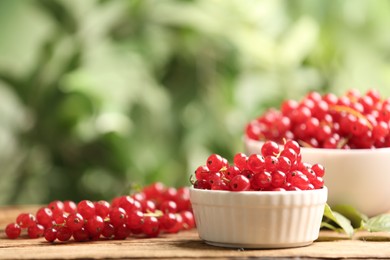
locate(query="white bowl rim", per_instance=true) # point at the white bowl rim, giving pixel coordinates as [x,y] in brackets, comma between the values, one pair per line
[330,150]
[262,193]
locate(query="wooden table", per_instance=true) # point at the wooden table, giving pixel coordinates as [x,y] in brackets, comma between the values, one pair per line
[185,245]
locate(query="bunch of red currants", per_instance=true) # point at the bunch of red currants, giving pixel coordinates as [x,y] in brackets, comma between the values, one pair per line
[153,210]
[351,121]
[274,169]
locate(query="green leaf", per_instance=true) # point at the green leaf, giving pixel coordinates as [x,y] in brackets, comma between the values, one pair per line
[357,219]
[330,226]
[344,223]
[378,223]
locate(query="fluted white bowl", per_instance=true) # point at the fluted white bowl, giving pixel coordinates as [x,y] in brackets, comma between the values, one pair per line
[254,219]
[355,177]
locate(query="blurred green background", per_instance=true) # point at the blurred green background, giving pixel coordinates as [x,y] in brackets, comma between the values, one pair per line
[98,95]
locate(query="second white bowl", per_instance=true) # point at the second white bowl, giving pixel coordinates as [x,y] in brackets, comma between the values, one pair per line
[359,177]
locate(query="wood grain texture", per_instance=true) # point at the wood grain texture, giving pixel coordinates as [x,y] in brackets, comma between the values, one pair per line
[186,245]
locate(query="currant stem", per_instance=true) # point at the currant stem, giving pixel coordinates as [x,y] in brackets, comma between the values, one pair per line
[340,108]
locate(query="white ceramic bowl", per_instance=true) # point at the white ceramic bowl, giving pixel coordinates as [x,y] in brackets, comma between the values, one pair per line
[251,219]
[360,177]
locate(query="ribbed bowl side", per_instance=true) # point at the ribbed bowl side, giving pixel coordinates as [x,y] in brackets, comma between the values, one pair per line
[264,219]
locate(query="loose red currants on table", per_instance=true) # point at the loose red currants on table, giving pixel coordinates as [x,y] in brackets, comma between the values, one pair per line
[154,210]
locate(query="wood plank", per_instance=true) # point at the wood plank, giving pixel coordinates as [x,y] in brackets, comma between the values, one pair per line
[187,245]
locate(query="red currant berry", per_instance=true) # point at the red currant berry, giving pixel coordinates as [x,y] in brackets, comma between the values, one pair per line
[381,130]
[318,169]
[318,183]
[35,231]
[108,230]
[330,98]
[253,130]
[256,163]
[214,162]
[94,225]
[44,217]
[270,148]
[284,164]
[278,179]
[188,219]
[81,235]
[220,185]
[86,208]
[50,234]
[202,172]
[129,204]
[13,230]
[374,95]
[291,144]
[64,234]
[56,206]
[60,218]
[240,160]
[149,206]
[271,163]
[24,220]
[168,206]
[70,206]
[262,180]
[167,221]
[118,216]
[299,180]
[239,183]
[288,106]
[152,191]
[121,232]
[202,184]
[75,221]
[151,227]
[178,226]
[231,171]
[135,219]
[102,208]
[300,115]
[290,154]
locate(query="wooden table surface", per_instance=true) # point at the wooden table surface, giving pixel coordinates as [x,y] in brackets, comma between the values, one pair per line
[185,245]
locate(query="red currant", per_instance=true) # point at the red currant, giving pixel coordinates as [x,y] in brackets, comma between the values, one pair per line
[240,161]
[270,148]
[35,231]
[214,162]
[240,183]
[94,225]
[50,234]
[86,208]
[256,163]
[64,234]
[24,220]
[44,217]
[75,221]
[13,230]
[151,227]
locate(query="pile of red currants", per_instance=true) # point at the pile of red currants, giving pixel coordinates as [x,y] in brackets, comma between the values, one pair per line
[275,169]
[351,121]
[154,210]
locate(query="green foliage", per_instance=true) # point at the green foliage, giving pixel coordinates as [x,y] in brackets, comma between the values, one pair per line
[335,221]
[346,219]
[97,95]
